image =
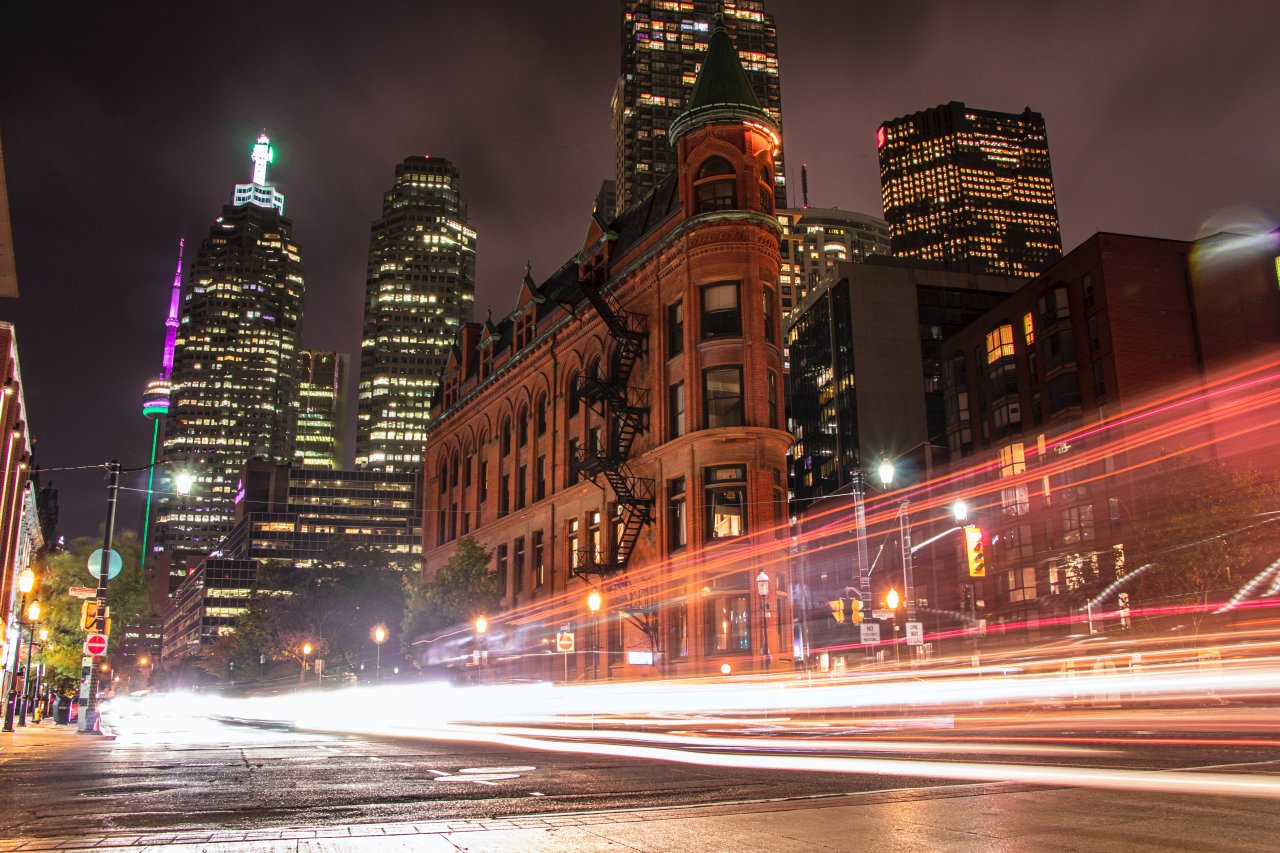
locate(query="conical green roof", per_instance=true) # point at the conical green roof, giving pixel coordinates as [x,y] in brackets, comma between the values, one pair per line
[722,88]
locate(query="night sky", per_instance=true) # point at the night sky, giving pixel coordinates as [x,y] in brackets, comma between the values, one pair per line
[125,130]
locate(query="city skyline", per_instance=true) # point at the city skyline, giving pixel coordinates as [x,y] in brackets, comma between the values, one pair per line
[536,155]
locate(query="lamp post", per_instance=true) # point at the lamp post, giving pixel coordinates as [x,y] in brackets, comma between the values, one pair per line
[302,673]
[379,637]
[482,630]
[33,616]
[26,583]
[892,600]
[904,539]
[35,694]
[593,604]
[762,590]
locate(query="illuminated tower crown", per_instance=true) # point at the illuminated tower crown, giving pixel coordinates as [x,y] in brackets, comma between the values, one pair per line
[260,192]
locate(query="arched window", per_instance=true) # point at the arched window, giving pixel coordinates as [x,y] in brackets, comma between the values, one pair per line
[453,473]
[541,410]
[571,391]
[714,187]
[506,437]
[766,190]
[522,427]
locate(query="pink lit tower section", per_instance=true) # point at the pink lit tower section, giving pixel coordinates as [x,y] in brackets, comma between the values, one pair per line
[155,401]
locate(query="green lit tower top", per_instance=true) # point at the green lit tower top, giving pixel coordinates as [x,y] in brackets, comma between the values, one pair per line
[419,290]
[233,391]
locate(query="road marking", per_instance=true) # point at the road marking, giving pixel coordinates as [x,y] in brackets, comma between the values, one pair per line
[518,768]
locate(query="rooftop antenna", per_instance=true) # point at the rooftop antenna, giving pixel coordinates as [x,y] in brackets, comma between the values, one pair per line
[804,184]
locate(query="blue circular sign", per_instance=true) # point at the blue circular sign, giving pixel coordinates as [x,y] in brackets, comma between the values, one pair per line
[114,564]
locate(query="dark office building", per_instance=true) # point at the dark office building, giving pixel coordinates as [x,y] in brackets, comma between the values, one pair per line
[866,366]
[663,45]
[206,604]
[301,516]
[419,291]
[968,186]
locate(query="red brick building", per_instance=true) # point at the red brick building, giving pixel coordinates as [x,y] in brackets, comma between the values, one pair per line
[1060,400]
[622,428]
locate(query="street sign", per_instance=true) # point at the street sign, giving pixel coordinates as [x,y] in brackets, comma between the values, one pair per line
[915,633]
[95,644]
[870,633]
[564,641]
[82,592]
[114,564]
[881,614]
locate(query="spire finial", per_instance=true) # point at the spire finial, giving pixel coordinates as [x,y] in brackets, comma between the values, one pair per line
[263,154]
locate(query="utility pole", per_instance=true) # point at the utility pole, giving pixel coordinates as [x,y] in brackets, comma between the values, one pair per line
[89,716]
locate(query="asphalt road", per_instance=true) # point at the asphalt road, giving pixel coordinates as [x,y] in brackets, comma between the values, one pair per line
[55,784]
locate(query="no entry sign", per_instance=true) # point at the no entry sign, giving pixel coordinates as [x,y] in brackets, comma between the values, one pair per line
[95,644]
[564,641]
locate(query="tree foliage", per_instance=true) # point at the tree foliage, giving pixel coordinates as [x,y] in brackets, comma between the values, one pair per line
[60,612]
[462,589]
[1205,528]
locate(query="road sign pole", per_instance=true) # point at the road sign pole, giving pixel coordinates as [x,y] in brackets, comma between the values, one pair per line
[89,715]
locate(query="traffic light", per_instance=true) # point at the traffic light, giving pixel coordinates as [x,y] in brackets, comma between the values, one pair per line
[975,552]
[88,615]
[837,609]
[855,611]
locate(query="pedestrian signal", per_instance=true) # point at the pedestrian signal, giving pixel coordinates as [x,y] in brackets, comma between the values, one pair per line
[837,609]
[975,551]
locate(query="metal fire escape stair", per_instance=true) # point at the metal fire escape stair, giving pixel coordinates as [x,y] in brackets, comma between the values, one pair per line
[625,410]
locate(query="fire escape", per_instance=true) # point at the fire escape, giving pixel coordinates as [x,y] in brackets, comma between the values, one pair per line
[625,411]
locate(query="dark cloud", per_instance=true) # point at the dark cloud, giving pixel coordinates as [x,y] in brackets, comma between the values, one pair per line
[125,129]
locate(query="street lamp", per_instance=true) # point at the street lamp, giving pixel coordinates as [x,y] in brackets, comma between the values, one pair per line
[379,637]
[762,590]
[960,511]
[306,653]
[904,537]
[26,583]
[482,628]
[33,616]
[892,600]
[594,601]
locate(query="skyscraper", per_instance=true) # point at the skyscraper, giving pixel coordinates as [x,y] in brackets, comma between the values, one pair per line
[968,186]
[322,410]
[235,366]
[420,290]
[663,44]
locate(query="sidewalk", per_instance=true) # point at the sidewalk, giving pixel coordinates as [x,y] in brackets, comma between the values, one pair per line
[953,818]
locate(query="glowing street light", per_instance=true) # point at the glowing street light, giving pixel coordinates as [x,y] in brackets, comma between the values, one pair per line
[594,601]
[379,637]
[482,628]
[892,599]
[960,511]
[886,473]
[33,612]
[26,581]
[44,634]
[306,653]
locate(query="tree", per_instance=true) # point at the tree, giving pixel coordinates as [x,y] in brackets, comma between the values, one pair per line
[60,612]
[462,589]
[1205,529]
